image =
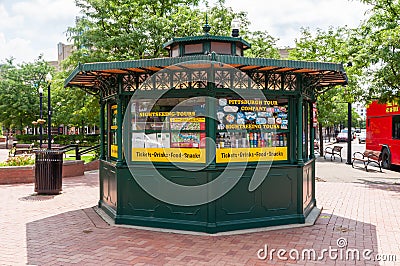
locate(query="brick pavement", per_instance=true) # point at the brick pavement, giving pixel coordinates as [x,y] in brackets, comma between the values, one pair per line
[65,230]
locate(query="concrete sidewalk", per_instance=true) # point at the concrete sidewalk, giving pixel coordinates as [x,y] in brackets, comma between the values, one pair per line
[336,171]
[3,155]
[66,230]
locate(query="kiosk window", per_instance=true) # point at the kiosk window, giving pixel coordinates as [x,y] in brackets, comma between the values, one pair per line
[168,130]
[306,131]
[252,130]
[112,131]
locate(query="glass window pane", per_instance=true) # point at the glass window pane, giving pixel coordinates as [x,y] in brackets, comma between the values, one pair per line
[396,127]
[168,130]
[251,130]
[221,48]
[194,48]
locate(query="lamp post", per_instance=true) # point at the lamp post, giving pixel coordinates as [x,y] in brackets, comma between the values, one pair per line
[349,118]
[40,120]
[48,80]
[235,25]
[349,133]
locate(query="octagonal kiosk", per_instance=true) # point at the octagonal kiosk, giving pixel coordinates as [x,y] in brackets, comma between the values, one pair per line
[207,140]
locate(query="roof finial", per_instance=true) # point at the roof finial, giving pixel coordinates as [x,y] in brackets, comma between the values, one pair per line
[206,27]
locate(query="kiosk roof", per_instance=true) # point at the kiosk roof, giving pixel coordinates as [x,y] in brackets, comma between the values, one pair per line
[86,75]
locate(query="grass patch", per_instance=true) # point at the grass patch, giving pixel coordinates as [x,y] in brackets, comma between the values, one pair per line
[86,158]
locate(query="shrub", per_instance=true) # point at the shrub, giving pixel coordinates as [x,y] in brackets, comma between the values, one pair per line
[28,138]
[82,140]
[19,161]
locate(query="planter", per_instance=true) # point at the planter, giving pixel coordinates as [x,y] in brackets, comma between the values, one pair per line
[26,174]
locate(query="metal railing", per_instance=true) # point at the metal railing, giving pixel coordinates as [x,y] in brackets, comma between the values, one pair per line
[71,147]
[87,150]
[79,153]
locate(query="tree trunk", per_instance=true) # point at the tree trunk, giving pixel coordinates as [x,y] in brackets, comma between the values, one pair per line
[321,140]
[83,128]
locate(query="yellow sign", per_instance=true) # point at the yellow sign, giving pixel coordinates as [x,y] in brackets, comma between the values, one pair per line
[114,151]
[252,126]
[142,114]
[252,102]
[392,107]
[169,155]
[228,155]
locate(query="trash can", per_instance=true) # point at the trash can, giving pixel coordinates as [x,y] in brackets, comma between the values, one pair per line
[48,171]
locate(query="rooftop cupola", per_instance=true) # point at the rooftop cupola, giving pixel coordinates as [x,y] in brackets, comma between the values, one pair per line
[206,44]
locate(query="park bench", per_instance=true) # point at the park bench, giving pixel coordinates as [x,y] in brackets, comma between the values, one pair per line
[367,157]
[20,148]
[336,150]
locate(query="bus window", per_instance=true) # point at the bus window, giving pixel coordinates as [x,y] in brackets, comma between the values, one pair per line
[396,127]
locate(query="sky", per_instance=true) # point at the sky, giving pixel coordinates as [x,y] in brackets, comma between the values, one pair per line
[29,28]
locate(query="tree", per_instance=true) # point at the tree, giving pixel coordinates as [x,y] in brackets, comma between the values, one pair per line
[129,29]
[19,96]
[330,46]
[136,29]
[262,45]
[379,44]
[74,107]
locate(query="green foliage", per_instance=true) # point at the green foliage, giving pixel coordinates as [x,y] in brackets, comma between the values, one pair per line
[330,46]
[263,45]
[128,29]
[82,140]
[220,17]
[19,96]
[136,29]
[379,49]
[73,107]
[28,139]
[20,160]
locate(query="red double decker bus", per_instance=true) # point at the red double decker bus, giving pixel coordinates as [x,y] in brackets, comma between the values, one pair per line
[383,131]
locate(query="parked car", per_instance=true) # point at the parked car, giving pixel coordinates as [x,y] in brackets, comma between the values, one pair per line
[359,131]
[342,136]
[361,137]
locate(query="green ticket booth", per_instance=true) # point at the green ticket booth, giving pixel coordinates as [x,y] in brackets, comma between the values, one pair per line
[207,140]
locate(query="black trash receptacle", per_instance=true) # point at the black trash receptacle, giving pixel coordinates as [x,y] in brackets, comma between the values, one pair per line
[48,171]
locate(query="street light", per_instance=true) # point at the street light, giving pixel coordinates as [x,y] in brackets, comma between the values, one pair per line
[235,25]
[40,120]
[349,133]
[48,80]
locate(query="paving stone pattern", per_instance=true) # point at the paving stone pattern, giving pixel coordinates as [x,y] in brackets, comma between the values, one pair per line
[65,230]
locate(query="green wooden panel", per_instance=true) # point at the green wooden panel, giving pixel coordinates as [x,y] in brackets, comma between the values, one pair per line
[274,202]
[137,202]
[108,184]
[204,38]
